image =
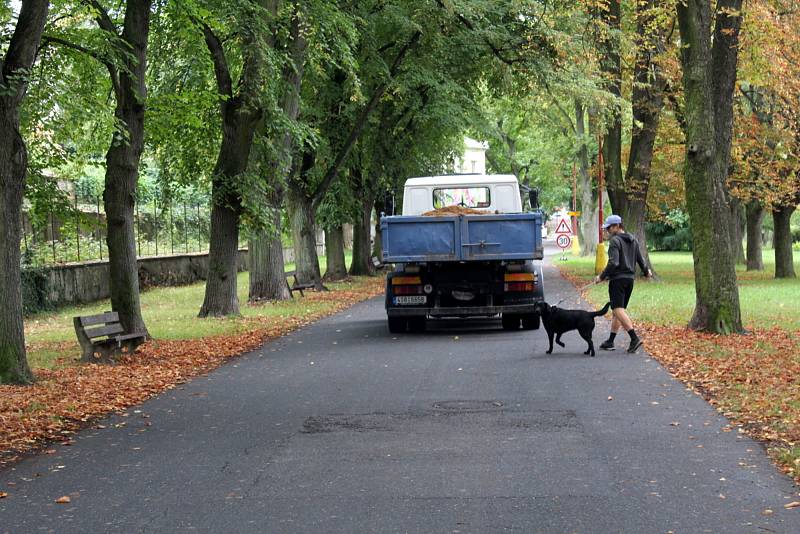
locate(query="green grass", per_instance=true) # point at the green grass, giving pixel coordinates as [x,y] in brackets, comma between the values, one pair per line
[169,312]
[765,301]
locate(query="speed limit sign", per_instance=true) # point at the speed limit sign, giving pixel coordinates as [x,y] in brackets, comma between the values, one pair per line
[563,241]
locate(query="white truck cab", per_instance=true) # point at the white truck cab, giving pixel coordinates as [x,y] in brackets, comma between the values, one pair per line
[494,193]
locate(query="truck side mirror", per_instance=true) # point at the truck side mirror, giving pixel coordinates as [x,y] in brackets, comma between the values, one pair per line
[533,194]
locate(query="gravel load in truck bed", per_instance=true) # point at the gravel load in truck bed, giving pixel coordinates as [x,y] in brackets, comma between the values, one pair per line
[455,210]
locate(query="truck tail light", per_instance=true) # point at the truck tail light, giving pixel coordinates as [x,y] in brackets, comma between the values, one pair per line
[519,286]
[519,277]
[407,290]
[518,282]
[406,280]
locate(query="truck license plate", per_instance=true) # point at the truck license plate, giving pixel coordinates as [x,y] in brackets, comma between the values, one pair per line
[405,301]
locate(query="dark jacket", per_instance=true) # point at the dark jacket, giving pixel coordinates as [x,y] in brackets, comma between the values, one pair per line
[623,256]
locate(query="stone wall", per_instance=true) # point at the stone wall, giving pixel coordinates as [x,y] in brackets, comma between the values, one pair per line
[78,283]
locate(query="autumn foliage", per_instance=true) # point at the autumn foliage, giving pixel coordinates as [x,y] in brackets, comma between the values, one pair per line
[767,134]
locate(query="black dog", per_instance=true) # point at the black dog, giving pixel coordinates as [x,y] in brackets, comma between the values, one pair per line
[557,322]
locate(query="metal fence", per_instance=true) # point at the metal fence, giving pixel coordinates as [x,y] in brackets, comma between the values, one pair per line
[168,227]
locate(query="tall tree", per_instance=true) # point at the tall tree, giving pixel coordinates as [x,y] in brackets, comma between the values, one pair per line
[123,52]
[15,68]
[307,192]
[755,218]
[123,156]
[709,74]
[649,81]
[241,110]
[588,193]
[609,42]
[768,137]
[267,279]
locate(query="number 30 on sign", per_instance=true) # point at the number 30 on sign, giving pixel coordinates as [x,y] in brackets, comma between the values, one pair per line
[563,241]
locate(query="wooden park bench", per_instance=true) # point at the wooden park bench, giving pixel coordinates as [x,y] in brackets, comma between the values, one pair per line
[296,286]
[102,336]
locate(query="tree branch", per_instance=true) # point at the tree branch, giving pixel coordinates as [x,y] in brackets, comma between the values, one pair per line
[221,71]
[102,18]
[22,49]
[498,53]
[112,69]
[360,123]
[51,39]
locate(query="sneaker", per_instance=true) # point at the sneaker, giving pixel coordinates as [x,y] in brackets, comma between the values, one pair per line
[607,345]
[635,344]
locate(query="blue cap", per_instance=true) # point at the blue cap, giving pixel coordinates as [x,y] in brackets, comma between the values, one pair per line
[612,220]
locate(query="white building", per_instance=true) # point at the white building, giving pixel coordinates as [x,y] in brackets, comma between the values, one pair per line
[474,159]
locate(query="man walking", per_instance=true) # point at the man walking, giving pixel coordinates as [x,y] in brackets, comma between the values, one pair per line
[623,256]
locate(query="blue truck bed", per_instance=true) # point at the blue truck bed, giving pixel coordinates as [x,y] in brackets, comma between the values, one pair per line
[412,239]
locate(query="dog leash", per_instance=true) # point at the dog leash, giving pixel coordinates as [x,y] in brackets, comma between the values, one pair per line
[580,290]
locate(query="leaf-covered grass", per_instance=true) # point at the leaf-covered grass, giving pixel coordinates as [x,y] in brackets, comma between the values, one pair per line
[753,379]
[765,301]
[169,312]
[67,397]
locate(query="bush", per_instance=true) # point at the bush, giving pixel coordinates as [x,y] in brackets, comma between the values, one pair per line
[671,234]
[34,290]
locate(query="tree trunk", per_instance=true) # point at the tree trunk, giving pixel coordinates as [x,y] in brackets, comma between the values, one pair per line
[335,266]
[238,129]
[221,297]
[267,264]
[784,256]
[304,235]
[240,119]
[362,251]
[267,271]
[647,102]
[737,230]
[755,218]
[13,168]
[611,67]
[122,168]
[18,60]
[377,245]
[635,220]
[588,227]
[705,173]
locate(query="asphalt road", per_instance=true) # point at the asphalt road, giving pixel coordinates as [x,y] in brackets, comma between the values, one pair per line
[342,427]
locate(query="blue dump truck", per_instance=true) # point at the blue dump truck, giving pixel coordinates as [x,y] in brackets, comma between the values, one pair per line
[463,247]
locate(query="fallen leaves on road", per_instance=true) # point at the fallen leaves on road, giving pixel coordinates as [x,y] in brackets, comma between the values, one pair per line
[64,400]
[791,505]
[63,500]
[754,380]
[3,494]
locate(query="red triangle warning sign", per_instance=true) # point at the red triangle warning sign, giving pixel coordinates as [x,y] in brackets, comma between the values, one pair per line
[563,227]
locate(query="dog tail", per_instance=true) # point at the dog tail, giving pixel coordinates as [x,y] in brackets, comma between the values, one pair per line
[603,311]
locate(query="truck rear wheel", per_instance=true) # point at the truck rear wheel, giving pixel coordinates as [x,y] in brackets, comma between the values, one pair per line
[510,321]
[530,322]
[397,325]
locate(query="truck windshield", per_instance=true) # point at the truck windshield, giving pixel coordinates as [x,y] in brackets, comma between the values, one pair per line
[468,197]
